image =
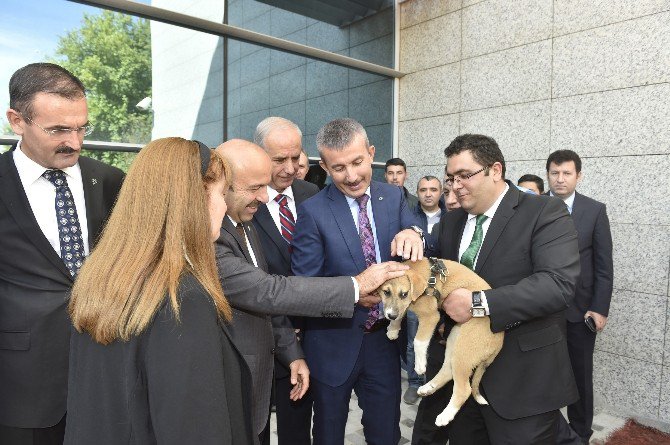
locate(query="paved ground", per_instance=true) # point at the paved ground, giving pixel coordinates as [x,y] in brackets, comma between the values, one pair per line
[603,423]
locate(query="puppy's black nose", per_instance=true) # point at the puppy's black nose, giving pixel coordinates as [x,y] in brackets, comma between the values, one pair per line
[392,316]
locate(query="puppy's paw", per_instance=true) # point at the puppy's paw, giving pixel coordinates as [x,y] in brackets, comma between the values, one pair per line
[426,390]
[446,416]
[420,366]
[481,400]
[392,334]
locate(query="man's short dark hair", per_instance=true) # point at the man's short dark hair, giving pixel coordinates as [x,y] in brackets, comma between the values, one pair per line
[484,149]
[428,178]
[395,161]
[36,78]
[532,178]
[560,156]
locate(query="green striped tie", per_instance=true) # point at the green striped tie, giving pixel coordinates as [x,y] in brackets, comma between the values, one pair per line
[468,258]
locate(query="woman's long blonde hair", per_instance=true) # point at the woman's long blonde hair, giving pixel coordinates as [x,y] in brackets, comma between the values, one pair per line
[159,230]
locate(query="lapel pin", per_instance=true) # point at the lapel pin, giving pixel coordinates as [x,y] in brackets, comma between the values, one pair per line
[381,198]
[94,181]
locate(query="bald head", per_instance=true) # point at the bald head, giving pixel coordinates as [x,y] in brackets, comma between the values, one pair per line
[251,167]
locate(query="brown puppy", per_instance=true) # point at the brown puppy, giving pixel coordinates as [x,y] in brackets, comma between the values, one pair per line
[471,346]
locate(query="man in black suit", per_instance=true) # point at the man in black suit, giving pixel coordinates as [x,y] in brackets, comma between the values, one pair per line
[525,247]
[275,222]
[53,206]
[594,287]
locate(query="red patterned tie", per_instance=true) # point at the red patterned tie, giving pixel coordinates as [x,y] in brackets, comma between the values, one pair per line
[286,219]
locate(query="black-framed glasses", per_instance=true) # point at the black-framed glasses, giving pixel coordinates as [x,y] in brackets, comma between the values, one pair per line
[61,132]
[449,180]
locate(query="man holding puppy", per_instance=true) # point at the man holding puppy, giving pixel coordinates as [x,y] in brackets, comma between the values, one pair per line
[525,247]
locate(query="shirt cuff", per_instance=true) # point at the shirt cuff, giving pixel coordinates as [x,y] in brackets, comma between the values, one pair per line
[485,303]
[357,291]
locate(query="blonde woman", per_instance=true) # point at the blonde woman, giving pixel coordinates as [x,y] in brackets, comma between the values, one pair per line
[151,360]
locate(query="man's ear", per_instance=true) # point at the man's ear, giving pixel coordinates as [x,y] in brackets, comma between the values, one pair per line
[323,166]
[15,121]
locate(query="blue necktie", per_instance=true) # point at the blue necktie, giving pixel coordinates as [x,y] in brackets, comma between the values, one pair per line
[69,230]
[369,251]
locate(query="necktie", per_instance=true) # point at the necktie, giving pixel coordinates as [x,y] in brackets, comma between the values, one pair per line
[69,230]
[368,245]
[240,231]
[285,218]
[468,257]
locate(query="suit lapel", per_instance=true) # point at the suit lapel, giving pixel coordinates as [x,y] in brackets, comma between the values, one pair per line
[300,193]
[578,209]
[16,201]
[456,235]
[380,213]
[229,227]
[345,222]
[502,216]
[256,246]
[93,199]
[267,224]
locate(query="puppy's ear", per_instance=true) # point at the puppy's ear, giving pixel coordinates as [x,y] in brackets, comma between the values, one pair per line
[416,284]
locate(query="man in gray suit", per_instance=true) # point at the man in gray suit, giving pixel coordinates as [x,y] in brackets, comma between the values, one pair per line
[256,296]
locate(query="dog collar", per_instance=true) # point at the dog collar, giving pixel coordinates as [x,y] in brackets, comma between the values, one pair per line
[437,267]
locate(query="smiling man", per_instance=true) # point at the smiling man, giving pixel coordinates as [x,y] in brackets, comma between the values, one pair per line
[53,206]
[349,225]
[525,247]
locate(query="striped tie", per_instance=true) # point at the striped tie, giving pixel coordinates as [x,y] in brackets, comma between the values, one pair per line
[285,218]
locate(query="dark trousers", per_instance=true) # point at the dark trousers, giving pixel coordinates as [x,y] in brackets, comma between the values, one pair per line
[581,343]
[425,431]
[376,381]
[474,419]
[264,436]
[294,419]
[52,435]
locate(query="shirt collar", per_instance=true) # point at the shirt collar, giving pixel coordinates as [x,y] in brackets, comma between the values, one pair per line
[569,201]
[351,201]
[492,210]
[30,171]
[288,192]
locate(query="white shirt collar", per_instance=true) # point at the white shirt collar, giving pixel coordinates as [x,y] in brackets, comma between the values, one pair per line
[351,200]
[492,210]
[30,171]
[569,201]
[288,191]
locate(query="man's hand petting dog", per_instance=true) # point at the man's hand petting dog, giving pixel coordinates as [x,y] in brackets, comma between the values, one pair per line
[299,379]
[376,275]
[457,305]
[408,245]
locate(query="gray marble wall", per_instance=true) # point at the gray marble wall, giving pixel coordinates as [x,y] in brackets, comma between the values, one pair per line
[542,75]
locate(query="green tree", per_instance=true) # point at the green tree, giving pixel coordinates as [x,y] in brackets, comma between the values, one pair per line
[111,54]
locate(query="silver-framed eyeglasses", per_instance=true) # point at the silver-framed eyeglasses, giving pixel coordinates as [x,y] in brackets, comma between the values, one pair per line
[61,132]
[449,180]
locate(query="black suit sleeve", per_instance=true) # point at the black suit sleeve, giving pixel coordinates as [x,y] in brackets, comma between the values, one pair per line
[551,286]
[603,268]
[185,375]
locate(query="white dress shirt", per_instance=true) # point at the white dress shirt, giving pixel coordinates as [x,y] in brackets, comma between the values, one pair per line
[569,201]
[42,196]
[246,240]
[273,206]
[469,231]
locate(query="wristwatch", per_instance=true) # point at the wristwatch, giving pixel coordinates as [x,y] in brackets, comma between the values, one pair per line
[418,230]
[477,309]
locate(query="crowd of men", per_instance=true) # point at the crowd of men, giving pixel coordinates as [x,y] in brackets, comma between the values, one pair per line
[312,341]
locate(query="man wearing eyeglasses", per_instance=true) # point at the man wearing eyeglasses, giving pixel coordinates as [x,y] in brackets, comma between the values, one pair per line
[525,247]
[53,205]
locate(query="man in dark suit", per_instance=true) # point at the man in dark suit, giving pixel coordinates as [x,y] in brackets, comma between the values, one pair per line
[53,206]
[525,247]
[594,287]
[340,231]
[275,225]
[395,172]
[256,296]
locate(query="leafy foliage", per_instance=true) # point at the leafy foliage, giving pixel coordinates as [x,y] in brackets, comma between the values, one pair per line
[111,55]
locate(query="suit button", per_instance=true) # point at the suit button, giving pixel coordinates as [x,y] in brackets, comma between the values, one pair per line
[272,351]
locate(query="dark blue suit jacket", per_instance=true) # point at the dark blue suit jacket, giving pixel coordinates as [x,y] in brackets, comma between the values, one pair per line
[327,244]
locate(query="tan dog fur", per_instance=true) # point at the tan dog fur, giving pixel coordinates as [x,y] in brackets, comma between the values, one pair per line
[471,346]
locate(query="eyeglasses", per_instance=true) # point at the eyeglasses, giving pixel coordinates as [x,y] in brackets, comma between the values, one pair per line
[61,132]
[449,180]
